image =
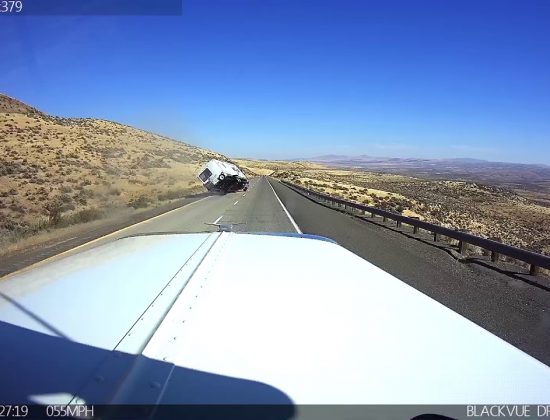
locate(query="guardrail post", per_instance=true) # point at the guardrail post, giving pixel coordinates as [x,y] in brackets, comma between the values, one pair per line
[383,218]
[494,256]
[462,247]
[533,270]
[398,223]
[415,229]
[372,215]
[436,236]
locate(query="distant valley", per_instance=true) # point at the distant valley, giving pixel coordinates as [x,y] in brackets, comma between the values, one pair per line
[526,176]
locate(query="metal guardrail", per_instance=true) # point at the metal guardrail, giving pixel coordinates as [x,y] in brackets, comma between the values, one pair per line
[496,248]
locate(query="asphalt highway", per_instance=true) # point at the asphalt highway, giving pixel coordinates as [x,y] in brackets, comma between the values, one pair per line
[256,210]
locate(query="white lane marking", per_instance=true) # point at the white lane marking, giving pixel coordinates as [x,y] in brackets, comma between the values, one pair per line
[244,194]
[62,242]
[218,219]
[235,202]
[284,208]
[38,263]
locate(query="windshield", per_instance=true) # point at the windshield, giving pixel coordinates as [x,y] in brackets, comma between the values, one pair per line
[413,134]
[204,175]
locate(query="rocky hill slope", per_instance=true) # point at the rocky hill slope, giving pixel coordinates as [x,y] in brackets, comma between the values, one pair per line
[57,171]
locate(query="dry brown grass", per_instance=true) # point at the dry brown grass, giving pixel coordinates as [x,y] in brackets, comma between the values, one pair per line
[59,171]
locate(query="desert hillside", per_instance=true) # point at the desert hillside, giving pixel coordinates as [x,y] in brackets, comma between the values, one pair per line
[57,171]
[514,216]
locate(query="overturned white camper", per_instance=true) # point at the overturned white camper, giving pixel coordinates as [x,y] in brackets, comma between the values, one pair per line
[223,176]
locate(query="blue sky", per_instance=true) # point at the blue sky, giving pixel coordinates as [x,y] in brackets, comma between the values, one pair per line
[295,78]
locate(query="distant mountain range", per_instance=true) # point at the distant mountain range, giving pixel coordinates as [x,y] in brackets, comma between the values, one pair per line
[504,173]
[367,158]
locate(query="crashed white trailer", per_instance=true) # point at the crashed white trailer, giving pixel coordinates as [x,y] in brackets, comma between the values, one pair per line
[223,176]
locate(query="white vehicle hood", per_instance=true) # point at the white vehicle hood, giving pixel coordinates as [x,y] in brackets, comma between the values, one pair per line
[244,318]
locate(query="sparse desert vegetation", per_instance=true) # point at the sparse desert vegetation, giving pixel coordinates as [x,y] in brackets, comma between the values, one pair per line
[516,217]
[57,171]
